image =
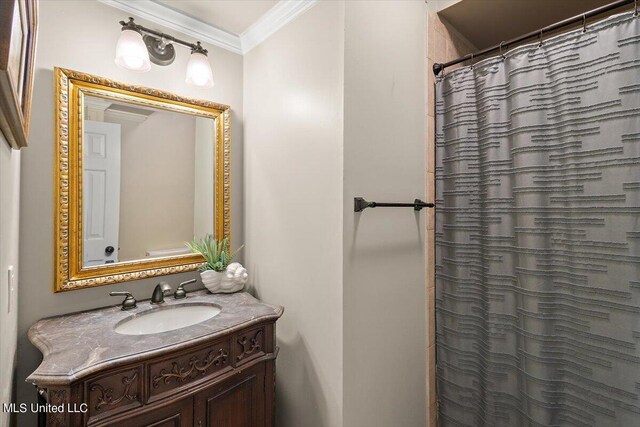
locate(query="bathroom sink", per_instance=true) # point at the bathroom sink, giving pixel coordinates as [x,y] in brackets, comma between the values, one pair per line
[164,319]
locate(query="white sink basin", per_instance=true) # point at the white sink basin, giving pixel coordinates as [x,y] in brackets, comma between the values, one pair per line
[163,319]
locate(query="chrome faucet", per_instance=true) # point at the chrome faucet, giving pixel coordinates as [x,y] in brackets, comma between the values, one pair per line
[159,292]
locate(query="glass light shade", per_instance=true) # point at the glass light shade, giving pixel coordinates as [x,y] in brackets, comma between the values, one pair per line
[131,52]
[199,71]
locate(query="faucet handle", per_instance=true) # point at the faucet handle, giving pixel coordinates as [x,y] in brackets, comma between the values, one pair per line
[129,302]
[180,292]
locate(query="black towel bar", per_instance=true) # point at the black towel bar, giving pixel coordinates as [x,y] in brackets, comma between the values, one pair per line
[360,204]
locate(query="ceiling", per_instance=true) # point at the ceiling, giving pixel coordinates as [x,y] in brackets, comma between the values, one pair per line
[233,16]
[488,22]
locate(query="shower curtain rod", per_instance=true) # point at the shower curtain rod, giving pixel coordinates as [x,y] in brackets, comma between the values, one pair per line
[438,67]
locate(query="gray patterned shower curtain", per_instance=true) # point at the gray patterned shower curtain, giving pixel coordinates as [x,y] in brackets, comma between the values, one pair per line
[538,234]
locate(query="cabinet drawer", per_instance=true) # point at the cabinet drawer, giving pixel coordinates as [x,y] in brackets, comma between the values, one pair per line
[176,414]
[168,376]
[249,344]
[114,392]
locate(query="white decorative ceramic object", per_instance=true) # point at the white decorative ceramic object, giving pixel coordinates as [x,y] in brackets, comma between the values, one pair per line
[231,280]
[212,279]
[236,277]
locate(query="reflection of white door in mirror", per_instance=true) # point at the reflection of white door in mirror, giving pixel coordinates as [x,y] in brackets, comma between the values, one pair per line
[101,192]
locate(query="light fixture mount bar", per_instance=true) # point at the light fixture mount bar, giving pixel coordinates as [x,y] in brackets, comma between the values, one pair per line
[197,47]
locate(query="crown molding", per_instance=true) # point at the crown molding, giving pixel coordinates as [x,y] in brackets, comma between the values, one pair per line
[275,18]
[169,18]
[126,116]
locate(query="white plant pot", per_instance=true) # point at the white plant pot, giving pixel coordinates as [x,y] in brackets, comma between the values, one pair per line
[212,279]
[231,280]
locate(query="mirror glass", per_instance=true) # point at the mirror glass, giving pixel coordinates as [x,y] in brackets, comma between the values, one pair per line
[148,181]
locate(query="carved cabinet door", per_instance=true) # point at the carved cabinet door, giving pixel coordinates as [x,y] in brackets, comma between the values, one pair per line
[236,402]
[174,414]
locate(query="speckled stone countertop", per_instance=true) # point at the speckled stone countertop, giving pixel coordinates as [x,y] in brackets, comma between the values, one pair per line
[79,344]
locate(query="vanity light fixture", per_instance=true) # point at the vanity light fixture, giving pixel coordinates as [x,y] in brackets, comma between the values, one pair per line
[198,68]
[138,46]
[131,53]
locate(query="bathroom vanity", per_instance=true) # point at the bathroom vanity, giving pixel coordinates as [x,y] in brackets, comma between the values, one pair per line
[135,368]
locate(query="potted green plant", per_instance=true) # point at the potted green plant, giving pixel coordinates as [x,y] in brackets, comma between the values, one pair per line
[218,273]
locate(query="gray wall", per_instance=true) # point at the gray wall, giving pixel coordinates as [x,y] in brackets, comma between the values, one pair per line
[384,258]
[82,35]
[9,225]
[293,200]
[150,195]
[335,108]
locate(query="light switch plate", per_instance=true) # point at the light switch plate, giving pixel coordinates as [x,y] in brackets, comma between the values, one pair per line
[10,287]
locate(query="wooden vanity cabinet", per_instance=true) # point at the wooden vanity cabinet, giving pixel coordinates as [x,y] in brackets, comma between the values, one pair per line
[226,382]
[176,414]
[238,401]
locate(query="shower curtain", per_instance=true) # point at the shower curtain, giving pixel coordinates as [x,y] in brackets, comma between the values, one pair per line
[538,233]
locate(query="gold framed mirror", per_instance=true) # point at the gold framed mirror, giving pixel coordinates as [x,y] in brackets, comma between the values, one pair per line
[138,172]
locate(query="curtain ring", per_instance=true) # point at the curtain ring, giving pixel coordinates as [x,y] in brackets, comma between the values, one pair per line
[501,54]
[636,7]
[540,38]
[472,61]
[584,23]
